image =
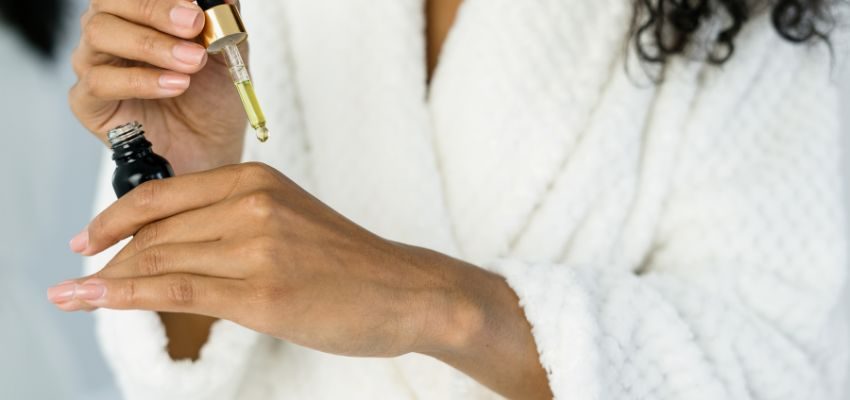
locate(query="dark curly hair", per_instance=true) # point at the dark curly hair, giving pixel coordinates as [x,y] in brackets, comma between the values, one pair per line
[660,28]
[665,28]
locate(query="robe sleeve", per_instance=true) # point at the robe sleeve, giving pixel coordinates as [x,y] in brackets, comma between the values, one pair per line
[739,295]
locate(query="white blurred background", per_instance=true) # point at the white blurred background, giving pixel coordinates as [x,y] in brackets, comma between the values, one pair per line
[48,167]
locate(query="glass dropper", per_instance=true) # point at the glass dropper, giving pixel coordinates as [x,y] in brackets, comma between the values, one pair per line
[242,80]
[223,32]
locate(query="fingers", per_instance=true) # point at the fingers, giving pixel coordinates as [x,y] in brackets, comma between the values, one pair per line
[94,97]
[156,33]
[215,259]
[62,295]
[207,224]
[84,57]
[186,293]
[157,200]
[106,83]
[110,35]
[180,18]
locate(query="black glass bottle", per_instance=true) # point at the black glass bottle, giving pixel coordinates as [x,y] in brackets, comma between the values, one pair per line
[135,161]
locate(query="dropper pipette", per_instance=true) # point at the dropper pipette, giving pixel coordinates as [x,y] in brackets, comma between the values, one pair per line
[223,32]
[245,87]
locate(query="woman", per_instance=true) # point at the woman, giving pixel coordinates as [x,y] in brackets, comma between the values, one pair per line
[512,214]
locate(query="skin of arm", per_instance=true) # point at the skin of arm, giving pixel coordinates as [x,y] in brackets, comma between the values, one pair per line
[306,275]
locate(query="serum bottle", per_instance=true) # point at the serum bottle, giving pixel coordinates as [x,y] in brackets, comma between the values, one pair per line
[135,161]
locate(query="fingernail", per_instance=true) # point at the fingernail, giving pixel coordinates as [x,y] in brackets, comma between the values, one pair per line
[62,292]
[90,291]
[191,54]
[173,81]
[186,15]
[80,242]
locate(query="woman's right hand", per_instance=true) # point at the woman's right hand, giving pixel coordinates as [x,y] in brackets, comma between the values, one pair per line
[137,60]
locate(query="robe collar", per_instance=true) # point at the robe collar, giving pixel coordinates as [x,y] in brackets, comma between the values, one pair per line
[460,167]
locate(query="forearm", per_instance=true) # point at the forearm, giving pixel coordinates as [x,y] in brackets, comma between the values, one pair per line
[482,331]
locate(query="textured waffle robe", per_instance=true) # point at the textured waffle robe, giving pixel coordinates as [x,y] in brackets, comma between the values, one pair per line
[674,240]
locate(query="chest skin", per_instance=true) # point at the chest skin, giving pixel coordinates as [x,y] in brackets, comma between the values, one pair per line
[439,18]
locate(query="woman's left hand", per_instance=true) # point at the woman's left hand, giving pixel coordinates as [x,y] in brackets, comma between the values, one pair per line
[245,243]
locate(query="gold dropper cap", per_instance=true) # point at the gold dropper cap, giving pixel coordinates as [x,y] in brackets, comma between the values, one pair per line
[223,27]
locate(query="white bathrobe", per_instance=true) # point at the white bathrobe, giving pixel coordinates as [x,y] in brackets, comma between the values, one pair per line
[683,240]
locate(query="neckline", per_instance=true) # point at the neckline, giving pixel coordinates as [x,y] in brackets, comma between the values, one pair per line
[429,9]
[431,77]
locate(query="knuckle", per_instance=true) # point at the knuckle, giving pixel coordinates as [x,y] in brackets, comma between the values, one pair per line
[93,28]
[181,291]
[91,83]
[255,166]
[96,5]
[127,293]
[147,44]
[135,81]
[258,172]
[260,204]
[146,195]
[147,236]
[152,262]
[77,62]
[84,18]
[147,9]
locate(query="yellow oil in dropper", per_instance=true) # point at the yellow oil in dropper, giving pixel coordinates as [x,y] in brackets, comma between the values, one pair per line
[242,80]
[252,107]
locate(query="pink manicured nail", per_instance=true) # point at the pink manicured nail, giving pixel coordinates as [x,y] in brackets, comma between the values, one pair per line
[80,242]
[90,291]
[186,15]
[62,292]
[191,54]
[173,81]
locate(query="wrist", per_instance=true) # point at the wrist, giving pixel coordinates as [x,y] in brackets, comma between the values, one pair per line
[454,312]
[474,322]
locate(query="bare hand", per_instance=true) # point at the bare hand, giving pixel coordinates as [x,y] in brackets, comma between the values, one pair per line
[244,243]
[137,60]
